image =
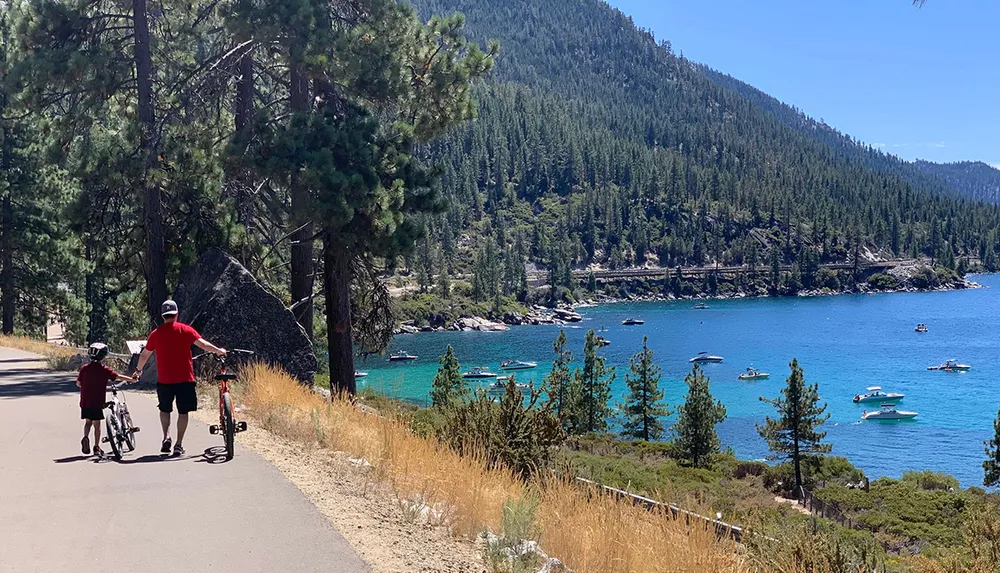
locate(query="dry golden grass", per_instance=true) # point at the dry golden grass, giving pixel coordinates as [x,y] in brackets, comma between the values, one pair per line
[590,533]
[56,355]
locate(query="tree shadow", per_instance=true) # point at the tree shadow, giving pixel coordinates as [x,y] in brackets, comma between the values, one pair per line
[213,455]
[25,382]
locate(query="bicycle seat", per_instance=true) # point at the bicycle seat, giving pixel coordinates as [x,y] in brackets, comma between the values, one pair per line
[225,376]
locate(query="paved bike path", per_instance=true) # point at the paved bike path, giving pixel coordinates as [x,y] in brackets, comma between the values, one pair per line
[62,511]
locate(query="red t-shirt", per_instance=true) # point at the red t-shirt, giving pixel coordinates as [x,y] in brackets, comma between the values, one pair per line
[171,342]
[93,379]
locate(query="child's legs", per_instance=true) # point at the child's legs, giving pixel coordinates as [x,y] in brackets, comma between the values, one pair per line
[97,432]
[86,428]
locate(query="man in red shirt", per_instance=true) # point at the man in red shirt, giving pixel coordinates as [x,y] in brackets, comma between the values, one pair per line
[172,342]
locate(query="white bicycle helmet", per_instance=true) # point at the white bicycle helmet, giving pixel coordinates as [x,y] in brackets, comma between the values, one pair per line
[97,351]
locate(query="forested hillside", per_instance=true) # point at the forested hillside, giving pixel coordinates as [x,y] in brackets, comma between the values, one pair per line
[973,179]
[597,144]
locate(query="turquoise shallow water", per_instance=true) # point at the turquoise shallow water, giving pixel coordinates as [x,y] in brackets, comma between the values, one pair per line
[844,343]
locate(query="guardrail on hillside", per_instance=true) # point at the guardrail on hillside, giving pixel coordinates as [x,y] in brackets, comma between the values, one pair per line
[722,529]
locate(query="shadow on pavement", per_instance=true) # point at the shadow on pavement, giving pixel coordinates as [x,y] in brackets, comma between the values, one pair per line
[71,459]
[214,455]
[150,458]
[21,383]
[22,360]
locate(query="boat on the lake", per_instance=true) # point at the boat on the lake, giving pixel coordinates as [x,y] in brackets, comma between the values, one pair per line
[601,341]
[479,372]
[875,394]
[705,357]
[633,322]
[700,306]
[360,374]
[950,366]
[500,386]
[888,412]
[921,327]
[517,365]
[401,356]
[754,374]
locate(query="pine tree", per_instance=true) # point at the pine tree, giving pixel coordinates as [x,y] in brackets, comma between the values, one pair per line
[793,435]
[591,391]
[643,405]
[558,383]
[991,466]
[694,431]
[448,386]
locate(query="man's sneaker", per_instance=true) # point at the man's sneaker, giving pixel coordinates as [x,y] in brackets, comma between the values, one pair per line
[85,445]
[178,450]
[165,447]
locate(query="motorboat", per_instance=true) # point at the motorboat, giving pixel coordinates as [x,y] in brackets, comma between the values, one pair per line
[875,394]
[705,357]
[700,306]
[888,412]
[517,365]
[359,374]
[921,327]
[499,387]
[950,366]
[754,374]
[633,322]
[479,372]
[601,341]
[401,356]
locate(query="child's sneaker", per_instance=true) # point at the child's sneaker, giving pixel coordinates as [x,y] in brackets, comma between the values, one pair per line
[98,452]
[85,445]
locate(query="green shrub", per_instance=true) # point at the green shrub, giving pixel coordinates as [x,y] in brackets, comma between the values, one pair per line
[744,469]
[930,481]
[882,281]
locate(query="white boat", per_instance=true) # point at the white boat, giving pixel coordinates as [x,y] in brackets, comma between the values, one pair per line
[700,306]
[602,342]
[921,327]
[517,365]
[479,372]
[950,366]
[359,374]
[754,374]
[875,394]
[888,412]
[401,355]
[705,357]
[633,322]
[499,387]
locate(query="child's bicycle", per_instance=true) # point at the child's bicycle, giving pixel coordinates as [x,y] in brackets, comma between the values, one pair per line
[228,425]
[118,423]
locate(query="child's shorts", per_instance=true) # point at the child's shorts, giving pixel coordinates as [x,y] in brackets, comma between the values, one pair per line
[91,413]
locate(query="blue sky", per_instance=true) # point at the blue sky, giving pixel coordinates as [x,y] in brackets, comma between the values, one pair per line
[918,82]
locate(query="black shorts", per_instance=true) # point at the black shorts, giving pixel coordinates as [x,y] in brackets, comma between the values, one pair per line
[91,413]
[184,393]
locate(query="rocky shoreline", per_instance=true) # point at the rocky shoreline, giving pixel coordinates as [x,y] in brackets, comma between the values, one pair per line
[567,314]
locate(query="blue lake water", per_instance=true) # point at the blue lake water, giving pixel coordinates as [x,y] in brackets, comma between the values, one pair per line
[843,343]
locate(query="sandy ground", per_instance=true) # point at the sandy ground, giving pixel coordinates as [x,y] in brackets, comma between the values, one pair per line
[368,515]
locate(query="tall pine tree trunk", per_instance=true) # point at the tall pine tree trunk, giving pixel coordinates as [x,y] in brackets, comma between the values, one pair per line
[241,180]
[302,239]
[337,278]
[7,280]
[156,254]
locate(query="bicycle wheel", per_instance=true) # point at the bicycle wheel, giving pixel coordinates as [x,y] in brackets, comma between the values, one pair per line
[230,426]
[113,426]
[125,420]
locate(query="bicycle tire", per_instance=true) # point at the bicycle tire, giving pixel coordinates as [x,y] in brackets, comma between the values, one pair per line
[126,423]
[230,425]
[112,425]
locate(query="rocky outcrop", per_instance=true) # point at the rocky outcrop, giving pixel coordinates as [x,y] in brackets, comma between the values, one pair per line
[222,300]
[566,315]
[469,323]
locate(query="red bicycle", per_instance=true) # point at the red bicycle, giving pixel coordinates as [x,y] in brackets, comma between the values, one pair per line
[228,426]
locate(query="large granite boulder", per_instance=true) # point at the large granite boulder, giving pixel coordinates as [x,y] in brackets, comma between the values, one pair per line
[222,300]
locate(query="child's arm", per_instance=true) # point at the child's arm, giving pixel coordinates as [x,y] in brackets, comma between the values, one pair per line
[124,378]
[78,376]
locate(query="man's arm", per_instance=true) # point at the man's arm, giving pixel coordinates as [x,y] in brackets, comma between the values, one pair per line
[143,358]
[209,347]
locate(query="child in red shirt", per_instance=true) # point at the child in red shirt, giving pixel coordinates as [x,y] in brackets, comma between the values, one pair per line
[93,383]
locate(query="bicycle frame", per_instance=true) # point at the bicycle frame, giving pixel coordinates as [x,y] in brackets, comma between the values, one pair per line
[228,427]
